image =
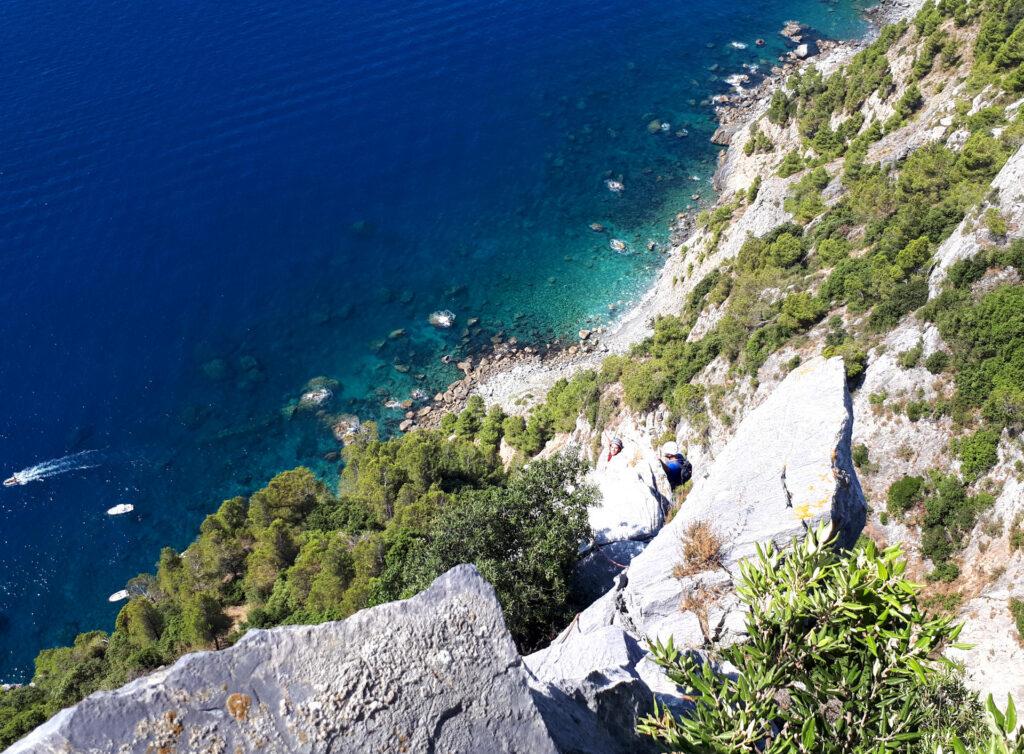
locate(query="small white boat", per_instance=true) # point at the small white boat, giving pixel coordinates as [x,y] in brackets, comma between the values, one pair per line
[616,187]
[118,596]
[12,481]
[442,319]
[121,509]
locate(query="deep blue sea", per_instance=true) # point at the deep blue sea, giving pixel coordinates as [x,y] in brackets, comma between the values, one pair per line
[204,205]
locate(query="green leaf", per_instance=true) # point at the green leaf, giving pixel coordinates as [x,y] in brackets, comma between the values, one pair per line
[1011,715]
[993,710]
[918,670]
[808,734]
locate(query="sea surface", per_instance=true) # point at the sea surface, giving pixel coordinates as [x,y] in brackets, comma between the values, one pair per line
[205,205]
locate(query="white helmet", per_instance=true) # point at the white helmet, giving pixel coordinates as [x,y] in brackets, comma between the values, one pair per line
[671,448]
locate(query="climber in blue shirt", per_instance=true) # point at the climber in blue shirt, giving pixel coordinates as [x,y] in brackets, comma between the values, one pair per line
[677,468]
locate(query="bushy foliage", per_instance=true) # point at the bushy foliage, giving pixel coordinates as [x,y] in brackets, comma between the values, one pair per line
[949,515]
[838,648]
[524,537]
[903,494]
[791,164]
[804,200]
[1016,608]
[978,453]
[407,509]
[1005,736]
[987,340]
[758,142]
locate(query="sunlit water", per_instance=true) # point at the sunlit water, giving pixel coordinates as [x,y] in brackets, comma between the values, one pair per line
[204,205]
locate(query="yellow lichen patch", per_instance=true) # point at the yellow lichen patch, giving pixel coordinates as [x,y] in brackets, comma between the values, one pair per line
[805,511]
[238,706]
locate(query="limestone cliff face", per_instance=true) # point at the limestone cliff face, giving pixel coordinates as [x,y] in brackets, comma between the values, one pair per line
[436,673]
[787,469]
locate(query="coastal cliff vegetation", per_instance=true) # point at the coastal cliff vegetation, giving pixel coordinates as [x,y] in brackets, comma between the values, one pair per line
[858,653]
[407,510]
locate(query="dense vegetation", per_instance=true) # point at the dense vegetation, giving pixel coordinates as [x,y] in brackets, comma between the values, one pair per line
[840,658]
[293,552]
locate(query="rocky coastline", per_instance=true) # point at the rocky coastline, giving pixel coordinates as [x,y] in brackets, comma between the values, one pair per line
[516,376]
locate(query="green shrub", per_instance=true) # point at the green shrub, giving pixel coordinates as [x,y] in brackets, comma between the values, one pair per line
[754,189]
[904,298]
[917,410]
[644,384]
[908,359]
[800,311]
[778,111]
[861,456]
[524,538]
[937,362]
[821,628]
[1016,607]
[949,516]
[568,399]
[471,418]
[758,142]
[855,358]
[791,163]
[978,453]
[995,222]
[831,251]
[804,200]
[903,494]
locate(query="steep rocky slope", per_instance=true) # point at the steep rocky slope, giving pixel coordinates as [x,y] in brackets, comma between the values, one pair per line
[439,672]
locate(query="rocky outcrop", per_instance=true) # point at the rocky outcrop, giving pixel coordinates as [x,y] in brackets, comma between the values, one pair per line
[633,496]
[993,572]
[634,493]
[435,673]
[788,468]
[972,235]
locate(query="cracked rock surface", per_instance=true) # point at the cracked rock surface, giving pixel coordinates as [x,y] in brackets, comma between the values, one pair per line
[788,468]
[435,673]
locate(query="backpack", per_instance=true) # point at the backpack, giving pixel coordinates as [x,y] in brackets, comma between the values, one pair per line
[685,469]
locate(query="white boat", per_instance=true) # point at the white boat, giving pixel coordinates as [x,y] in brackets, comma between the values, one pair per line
[121,509]
[118,596]
[443,319]
[12,481]
[615,187]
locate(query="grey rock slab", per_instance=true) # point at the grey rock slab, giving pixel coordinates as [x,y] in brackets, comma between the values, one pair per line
[590,692]
[787,468]
[595,573]
[435,673]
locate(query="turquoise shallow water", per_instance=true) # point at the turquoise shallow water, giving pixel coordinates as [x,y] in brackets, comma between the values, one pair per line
[204,206]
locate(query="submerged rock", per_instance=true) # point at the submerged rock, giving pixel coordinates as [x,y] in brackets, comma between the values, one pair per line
[215,369]
[315,398]
[437,672]
[345,427]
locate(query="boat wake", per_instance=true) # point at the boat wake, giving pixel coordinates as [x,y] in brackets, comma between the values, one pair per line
[86,459]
